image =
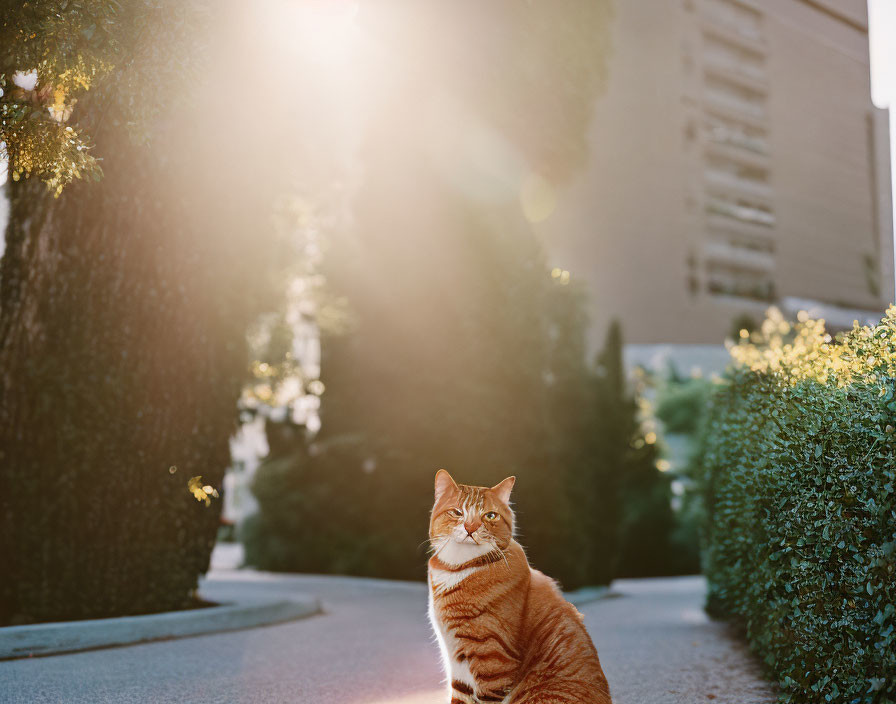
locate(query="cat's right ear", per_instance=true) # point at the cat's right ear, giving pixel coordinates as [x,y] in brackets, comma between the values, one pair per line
[444,484]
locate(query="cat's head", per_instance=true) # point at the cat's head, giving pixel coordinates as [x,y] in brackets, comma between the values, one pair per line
[468,521]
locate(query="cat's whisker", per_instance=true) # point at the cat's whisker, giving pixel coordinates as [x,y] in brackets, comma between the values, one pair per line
[503,557]
[441,547]
[430,543]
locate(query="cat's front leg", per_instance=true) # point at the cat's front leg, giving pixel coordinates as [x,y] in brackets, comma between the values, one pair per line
[462,693]
[494,673]
[493,694]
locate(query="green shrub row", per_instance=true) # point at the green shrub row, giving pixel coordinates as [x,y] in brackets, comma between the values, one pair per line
[797,464]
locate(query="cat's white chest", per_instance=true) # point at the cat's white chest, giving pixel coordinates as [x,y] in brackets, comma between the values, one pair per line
[448,644]
[441,581]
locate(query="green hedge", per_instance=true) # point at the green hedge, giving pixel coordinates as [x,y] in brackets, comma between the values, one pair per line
[798,458]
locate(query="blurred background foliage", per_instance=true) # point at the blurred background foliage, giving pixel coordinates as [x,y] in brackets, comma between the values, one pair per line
[681,402]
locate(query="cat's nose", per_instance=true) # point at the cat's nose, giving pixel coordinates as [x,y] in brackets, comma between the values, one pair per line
[472,527]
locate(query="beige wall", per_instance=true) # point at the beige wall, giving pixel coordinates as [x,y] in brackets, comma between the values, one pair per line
[822,127]
[855,11]
[620,226]
[632,223]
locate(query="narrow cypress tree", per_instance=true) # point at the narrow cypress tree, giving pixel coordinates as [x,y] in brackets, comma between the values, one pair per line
[643,524]
[613,426]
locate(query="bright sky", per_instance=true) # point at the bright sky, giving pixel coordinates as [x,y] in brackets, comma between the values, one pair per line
[882,16]
[882,19]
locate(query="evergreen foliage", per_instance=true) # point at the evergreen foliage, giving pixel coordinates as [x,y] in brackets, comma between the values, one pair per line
[585,448]
[680,405]
[797,461]
[649,539]
[112,57]
[120,382]
[123,305]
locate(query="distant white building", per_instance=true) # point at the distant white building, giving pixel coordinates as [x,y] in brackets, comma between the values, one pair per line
[247,448]
[297,399]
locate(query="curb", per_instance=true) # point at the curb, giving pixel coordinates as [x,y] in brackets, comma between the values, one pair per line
[586,595]
[72,636]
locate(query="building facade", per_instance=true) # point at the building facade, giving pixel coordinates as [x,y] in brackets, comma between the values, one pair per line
[736,162]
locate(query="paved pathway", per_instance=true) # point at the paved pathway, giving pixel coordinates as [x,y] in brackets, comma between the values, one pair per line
[373,646]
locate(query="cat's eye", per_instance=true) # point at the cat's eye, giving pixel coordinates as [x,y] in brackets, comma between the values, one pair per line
[490,516]
[456,512]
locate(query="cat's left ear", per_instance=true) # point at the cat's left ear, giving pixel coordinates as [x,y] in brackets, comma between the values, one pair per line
[502,490]
[444,484]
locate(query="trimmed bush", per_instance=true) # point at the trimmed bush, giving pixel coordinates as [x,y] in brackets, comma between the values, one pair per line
[680,404]
[797,467]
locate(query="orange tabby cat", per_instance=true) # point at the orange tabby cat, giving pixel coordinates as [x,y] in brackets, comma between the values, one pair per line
[506,632]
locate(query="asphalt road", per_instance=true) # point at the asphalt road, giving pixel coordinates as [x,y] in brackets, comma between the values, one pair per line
[374,646]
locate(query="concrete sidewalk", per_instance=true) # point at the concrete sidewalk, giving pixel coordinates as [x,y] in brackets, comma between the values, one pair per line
[658,646]
[242,599]
[373,645]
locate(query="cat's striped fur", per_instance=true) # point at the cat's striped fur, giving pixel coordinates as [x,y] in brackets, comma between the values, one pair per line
[506,632]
